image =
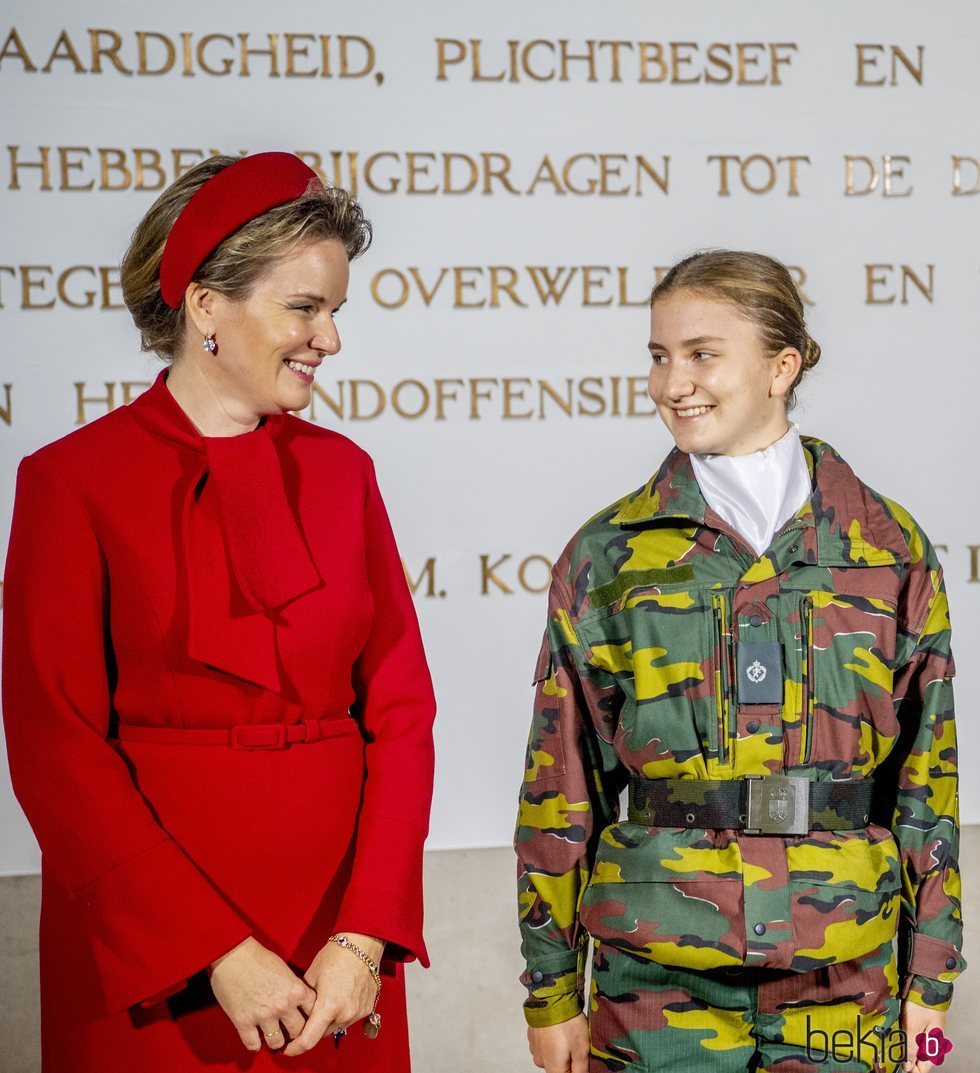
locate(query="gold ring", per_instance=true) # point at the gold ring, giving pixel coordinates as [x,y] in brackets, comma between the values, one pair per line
[274,1032]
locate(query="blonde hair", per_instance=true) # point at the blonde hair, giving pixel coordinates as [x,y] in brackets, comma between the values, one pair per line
[236,264]
[760,288]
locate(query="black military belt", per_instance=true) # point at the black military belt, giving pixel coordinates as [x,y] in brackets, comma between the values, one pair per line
[757,804]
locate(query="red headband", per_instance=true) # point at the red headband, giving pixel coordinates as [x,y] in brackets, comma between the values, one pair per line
[234,196]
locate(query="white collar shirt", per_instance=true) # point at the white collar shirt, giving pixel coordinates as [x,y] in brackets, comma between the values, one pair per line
[759,492]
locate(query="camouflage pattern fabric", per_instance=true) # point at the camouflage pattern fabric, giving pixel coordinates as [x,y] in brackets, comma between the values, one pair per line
[657,613]
[839,1019]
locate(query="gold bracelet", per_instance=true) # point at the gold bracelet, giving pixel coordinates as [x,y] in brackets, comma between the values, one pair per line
[373,1023]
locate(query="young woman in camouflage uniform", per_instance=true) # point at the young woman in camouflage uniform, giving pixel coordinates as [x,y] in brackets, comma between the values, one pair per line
[756,644]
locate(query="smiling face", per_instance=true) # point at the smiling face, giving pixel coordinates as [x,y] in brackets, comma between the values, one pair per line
[269,344]
[716,389]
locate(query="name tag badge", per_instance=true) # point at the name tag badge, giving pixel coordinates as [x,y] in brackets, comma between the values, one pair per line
[760,672]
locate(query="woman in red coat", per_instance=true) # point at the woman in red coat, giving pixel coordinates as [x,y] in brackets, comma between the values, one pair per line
[217,706]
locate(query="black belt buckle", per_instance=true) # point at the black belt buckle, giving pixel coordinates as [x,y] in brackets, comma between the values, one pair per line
[777,805]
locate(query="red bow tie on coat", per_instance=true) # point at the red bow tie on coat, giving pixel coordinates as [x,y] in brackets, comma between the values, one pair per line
[243,554]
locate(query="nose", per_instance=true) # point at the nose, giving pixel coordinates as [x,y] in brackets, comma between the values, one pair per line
[327,338]
[678,382]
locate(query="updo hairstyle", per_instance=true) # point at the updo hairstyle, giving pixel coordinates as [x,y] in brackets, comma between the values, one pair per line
[235,266]
[761,290]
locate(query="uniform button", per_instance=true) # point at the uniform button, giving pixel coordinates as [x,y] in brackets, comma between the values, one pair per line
[950,963]
[755,620]
[752,726]
[537,977]
[760,929]
[794,547]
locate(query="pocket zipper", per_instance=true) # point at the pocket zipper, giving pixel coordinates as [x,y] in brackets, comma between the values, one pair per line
[806,679]
[722,662]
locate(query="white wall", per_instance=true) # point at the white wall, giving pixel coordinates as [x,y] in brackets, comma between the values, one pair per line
[895,391]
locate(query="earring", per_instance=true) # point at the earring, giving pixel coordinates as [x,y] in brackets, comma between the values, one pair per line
[209,343]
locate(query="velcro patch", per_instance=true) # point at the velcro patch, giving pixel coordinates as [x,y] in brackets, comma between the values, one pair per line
[610,593]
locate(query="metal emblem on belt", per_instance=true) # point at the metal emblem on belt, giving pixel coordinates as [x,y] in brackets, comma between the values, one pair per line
[756,671]
[779,806]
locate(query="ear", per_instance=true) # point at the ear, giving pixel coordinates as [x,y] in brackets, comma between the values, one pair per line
[199,305]
[786,366]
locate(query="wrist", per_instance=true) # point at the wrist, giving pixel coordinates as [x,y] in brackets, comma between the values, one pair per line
[228,953]
[370,944]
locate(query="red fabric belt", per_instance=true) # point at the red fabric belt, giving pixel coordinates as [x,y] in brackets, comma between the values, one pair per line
[247,736]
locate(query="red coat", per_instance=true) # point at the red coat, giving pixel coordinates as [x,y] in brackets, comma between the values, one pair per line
[159,579]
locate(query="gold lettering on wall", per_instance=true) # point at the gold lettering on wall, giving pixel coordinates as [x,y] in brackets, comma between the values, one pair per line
[758,173]
[76,287]
[426,579]
[498,574]
[491,287]
[488,575]
[482,398]
[524,286]
[582,174]
[740,63]
[150,53]
[862,175]
[966,175]
[473,399]
[873,61]
[511,286]
[130,389]
[880,283]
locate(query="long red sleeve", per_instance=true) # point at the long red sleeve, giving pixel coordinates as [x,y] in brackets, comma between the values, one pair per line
[396,706]
[99,837]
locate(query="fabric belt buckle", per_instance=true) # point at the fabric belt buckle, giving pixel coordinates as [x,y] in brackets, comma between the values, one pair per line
[269,736]
[777,805]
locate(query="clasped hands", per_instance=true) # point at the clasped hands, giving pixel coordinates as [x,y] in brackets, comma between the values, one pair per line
[267,1002]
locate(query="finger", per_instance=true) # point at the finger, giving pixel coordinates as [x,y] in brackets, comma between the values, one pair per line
[313,1031]
[342,1020]
[272,1034]
[251,1037]
[294,1023]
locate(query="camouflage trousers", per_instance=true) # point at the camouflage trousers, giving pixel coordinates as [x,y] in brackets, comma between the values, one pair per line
[646,1017]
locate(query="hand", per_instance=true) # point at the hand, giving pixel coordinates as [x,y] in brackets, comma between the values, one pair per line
[344,987]
[561,1048]
[258,990]
[916,1019]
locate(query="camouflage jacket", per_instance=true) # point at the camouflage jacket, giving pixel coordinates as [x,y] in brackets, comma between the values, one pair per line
[637,677]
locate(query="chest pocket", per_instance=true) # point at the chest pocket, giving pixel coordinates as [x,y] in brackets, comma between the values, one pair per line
[847,670]
[669,646]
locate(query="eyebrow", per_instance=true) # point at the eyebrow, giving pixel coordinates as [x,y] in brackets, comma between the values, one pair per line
[698,340]
[318,298]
